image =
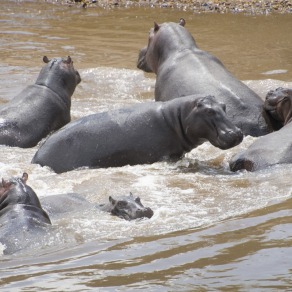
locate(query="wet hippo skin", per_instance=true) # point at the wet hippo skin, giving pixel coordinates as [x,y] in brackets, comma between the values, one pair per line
[40,108]
[125,207]
[22,217]
[183,69]
[274,148]
[141,134]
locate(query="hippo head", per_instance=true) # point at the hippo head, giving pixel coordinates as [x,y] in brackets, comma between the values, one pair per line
[278,104]
[15,191]
[129,208]
[60,76]
[208,121]
[163,38]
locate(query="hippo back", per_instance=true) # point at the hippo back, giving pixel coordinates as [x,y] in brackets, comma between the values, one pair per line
[40,108]
[274,148]
[183,69]
[21,226]
[140,134]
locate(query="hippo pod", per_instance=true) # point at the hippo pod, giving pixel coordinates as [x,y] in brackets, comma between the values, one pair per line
[274,148]
[125,207]
[21,214]
[141,134]
[183,69]
[40,108]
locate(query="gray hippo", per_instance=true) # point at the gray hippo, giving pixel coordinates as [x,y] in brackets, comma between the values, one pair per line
[274,148]
[141,134]
[21,214]
[40,108]
[183,69]
[125,207]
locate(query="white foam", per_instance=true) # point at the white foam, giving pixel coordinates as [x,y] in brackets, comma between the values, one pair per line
[197,190]
[2,248]
[276,71]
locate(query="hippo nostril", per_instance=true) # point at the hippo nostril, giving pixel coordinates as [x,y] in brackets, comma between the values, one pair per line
[146,212]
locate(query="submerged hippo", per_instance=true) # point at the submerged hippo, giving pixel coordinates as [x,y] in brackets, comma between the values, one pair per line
[144,133]
[21,214]
[183,69]
[274,148]
[60,204]
[125,207]
[40,108]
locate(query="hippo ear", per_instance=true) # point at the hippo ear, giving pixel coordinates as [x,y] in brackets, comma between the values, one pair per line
[223,105]
[131,195]
[46,59]
[156,27]
[25,177]
[111,200]
[6,184]
[182,22]
[69,60]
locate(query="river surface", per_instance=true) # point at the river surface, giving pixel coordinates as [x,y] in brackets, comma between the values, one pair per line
[212,230]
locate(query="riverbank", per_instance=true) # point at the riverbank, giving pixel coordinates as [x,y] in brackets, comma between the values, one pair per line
[253,7]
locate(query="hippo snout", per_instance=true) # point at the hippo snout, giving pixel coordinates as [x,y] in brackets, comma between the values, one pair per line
[271,102]
[230,138]
[141,63]
[145,212]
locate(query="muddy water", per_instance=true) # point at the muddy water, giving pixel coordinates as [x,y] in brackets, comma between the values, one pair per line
[211,229]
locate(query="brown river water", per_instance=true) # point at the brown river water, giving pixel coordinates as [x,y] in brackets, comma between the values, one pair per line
[212,230]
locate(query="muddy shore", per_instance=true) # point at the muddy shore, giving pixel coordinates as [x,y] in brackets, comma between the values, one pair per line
[253,7]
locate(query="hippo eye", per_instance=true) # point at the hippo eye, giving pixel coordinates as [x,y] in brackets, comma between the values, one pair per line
[210,112]
[122,204]
[223,105]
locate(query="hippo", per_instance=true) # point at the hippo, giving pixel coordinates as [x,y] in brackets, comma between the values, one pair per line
[274,148]
[40,108]
[59,204]
[141,134]
[183,69]
[21,214]
[125,207]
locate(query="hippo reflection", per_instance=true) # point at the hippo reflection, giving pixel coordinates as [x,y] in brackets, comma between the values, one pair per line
[183,69]
[22,217]
[144,133]
[40,108]
[274,148]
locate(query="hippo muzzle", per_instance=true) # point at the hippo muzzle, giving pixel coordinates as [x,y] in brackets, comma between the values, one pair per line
[278,104]
[129,208]
[210,122]
[229,138]
[142,63]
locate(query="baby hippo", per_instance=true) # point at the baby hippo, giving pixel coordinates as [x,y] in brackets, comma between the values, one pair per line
[127,207]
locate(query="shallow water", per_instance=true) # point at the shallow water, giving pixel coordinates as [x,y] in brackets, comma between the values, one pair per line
[212,229]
